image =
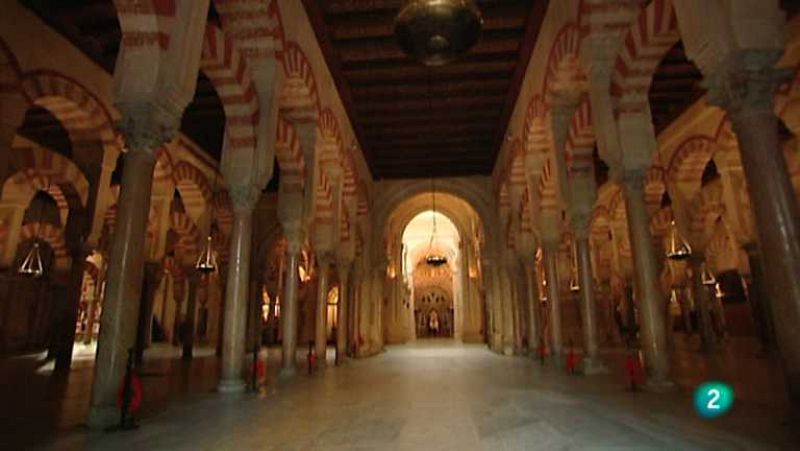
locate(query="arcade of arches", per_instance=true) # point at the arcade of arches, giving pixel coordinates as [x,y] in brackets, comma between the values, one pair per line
[638,196]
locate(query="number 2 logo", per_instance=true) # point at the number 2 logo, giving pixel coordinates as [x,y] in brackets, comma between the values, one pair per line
[713,400]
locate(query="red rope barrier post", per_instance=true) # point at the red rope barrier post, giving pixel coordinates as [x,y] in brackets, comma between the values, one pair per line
[312,358]
[129,396]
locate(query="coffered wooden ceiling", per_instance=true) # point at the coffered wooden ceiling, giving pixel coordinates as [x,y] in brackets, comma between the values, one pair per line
[415,121]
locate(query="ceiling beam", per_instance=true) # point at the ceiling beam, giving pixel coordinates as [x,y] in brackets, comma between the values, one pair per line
[465,71]
[498,41]
[498,86]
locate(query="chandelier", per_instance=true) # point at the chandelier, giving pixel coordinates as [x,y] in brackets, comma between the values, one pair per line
[433,259]
[677,247]
[436,32]
[32,265]
[708,277]
[207,261]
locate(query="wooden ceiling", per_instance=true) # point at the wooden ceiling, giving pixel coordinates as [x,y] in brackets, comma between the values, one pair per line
[414,121]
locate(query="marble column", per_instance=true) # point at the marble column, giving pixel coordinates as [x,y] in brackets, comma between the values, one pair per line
[652,305]
[93,303]
[152,278]
[65,312]
[591,358]
[243,199]
[532,292]
[321,323]
[146,127]
[700,295]
[187,338]
[343,311]
[352,326]
[759,301]
[294,239]
[550,249]
[745,86]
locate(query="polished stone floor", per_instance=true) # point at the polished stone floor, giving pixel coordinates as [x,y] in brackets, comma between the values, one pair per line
[440,395]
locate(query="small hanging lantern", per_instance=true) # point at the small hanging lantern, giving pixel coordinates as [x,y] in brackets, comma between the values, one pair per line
[708,277]
[574,285]
[206,262]
[718,291]
[32,265]
[677,247]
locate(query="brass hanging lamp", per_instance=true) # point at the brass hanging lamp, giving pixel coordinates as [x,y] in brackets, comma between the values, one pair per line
[574,284]
[32,266]
[436,32]
[708,277]
[677,247]
[434,259]
[207,261]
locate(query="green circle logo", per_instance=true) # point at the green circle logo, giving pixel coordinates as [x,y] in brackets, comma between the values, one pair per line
[713,399]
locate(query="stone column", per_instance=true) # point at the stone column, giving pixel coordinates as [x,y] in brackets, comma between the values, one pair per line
[294,238]
[65,312]
[152,278]
[187,340]
[591,358]
[146,126]
[343,311]
[321,323]
[759,301]
[745,85]
[550,249]
[532,290]
[652,306]
[243,199]
[701,303]
[96,298]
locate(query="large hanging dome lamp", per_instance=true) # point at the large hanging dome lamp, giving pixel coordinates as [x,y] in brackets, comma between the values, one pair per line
[436,32]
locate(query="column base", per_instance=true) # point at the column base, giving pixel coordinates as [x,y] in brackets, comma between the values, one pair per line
[287,373]
[593,366]
[231,386]
[508,350]
[660,385]
[101,417]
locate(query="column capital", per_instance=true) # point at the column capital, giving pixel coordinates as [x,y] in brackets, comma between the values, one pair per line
[294,238]
[746,81]
[147,125]
[243,198]
[632,179]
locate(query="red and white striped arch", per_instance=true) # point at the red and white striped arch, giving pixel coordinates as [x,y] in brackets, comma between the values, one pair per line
[580,140]
[648,39]
[324,198]
[145,23]
[78,110]
[164,170]
[688,162]
[525,214]
[548,193]
[536,136]
[188,233]
[194,188]
[564,73]
[228,71]
[45,169]
[256,26]
[300,87]
[290,156]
